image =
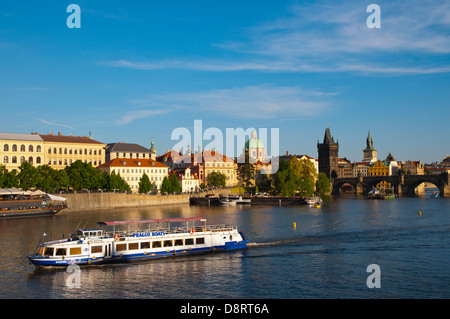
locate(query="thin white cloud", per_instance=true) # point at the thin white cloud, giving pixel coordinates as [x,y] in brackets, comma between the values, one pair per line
[55,124]
[138,114]
[251,102]
[332,36]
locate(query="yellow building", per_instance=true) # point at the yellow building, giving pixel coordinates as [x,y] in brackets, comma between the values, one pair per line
[131,170]
[61,151]
[215,162]
[18,148]
[380,168]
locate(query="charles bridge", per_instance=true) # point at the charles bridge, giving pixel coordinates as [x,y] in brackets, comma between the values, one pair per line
[402,184]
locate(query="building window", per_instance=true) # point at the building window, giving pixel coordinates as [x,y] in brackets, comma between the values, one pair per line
[5,160]
[22,159]
[30,148]
[6,148]
[14,148]
[22,148]
[60,150]
[38,148]
[38,160]
[14,160]
[54,151]
[85,151]
[65,151]
[30,159]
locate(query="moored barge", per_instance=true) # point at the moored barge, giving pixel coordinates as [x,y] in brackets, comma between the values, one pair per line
[124,241]
[16,203]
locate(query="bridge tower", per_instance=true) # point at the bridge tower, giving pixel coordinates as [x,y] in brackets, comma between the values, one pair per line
[328,156]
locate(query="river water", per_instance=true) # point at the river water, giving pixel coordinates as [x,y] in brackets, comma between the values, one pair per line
[325,256]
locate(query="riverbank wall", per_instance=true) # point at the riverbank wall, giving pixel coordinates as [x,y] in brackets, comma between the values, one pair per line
[91,201]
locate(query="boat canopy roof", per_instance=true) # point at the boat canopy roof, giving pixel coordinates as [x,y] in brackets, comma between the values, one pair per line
[147,221]
[11,191]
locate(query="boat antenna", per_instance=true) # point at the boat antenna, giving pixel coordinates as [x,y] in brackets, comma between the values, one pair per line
[85,224]
[79,224]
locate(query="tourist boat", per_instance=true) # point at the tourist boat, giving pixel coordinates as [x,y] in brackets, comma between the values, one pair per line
[241,200]
[314,201]
[233,201]
[124,241]
[17,203]
[435,194]
[384,193]
[228,201]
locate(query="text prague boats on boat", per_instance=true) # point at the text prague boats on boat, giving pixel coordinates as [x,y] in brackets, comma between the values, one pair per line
[122,241]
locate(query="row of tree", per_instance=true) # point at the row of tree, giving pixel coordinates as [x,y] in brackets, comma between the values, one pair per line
[77,176]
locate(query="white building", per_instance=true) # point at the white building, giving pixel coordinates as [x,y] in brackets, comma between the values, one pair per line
[131,170]
[189,182]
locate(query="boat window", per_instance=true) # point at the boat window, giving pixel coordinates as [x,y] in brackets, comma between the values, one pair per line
[189,241]
[96,249]
[178,242]
[133,246]
[48,251]
[200,240]
[168,243]
[145,245]
[60,252]
[75,251]
[156,244]
[120,247]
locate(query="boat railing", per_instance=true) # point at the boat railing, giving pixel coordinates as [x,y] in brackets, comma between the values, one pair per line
[169,231]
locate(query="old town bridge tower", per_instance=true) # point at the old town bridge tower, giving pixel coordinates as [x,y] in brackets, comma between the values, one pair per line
[328,156]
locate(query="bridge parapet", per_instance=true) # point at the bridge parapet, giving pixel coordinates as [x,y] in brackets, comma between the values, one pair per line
[402,184]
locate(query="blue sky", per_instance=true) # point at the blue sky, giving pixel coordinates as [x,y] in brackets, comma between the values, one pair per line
[139,69]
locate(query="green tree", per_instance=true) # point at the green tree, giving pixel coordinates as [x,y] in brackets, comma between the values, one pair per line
[264,183]
[27,176]
[8,179]
[285,181]
[323,185]
[144,184]
[174,184]
[303,168]
[165,186]
[216,179]
[247,173]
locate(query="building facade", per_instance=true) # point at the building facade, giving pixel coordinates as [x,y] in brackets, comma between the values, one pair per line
[18,148]
[127,150]
[132,170]
[188,180]
[57,151]
[61,150]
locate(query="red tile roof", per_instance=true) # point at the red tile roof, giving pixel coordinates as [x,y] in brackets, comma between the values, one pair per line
[68,139]
[131,162]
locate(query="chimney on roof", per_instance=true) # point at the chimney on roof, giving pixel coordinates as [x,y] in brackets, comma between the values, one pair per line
[59,134]
[51,132]
[287,153]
